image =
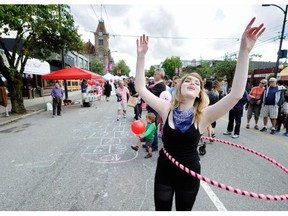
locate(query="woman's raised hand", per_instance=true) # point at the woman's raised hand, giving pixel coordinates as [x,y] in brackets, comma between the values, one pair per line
[250,35]
[142,45]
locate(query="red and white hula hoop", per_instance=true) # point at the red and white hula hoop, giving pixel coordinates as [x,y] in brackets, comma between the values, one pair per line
[229,188]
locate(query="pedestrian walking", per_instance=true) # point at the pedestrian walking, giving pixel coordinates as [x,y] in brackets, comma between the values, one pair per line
[107,90]
[57,95]
[213,96]
[280,116]
[235,115]
[122,94]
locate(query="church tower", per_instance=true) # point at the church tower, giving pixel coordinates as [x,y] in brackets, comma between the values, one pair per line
[102,51]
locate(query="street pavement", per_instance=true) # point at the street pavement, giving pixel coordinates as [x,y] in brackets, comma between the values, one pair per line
[82,161]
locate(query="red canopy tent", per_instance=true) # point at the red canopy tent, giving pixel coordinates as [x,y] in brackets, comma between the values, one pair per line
[71,73]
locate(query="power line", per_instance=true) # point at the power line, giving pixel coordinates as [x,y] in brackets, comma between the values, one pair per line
[108,18]
[175,38]
[94,11]
[108,23]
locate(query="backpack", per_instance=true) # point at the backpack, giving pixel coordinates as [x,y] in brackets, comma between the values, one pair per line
[213,97]
[119,97]
[282,97]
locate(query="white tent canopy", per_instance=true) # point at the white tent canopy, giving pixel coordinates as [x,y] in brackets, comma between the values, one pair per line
[108,76]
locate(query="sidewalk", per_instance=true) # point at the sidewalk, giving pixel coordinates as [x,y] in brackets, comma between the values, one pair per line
[33,106]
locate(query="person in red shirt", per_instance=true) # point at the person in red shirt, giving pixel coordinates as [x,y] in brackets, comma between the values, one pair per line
[254,103]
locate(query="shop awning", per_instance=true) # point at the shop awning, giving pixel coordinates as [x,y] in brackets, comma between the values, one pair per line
[33,65]
[283,75]
[37,67]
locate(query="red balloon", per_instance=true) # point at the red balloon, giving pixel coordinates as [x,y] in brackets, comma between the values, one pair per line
[138,127]
[92,82]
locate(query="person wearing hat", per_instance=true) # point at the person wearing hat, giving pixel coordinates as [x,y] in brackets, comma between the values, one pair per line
[270,104]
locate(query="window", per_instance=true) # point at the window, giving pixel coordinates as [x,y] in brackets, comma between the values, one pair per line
[100,42]
[101,56]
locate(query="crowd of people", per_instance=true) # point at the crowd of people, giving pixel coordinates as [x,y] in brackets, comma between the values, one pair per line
[267,99]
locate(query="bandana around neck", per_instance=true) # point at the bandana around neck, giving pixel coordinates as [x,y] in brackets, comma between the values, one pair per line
[182,119]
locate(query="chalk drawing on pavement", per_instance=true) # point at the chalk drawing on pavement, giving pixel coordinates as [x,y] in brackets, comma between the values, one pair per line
[109,150]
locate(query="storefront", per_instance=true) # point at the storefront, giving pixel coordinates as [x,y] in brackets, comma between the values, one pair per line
[34,68]
[32,82]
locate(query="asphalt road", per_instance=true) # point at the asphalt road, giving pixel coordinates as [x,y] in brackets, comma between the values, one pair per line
[82,161]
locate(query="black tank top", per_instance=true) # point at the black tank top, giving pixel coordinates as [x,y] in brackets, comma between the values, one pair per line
[181,146]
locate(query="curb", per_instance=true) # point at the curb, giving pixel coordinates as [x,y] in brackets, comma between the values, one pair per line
[21,117]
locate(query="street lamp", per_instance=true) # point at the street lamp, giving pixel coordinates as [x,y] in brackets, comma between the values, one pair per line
[282,34]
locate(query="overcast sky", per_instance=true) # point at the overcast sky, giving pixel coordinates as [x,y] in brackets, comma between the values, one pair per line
[190,31]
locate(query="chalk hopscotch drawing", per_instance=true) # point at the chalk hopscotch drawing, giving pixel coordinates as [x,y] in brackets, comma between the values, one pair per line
[107,140]
[110,148]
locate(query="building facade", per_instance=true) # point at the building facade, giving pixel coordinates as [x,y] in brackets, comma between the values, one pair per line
[101,50]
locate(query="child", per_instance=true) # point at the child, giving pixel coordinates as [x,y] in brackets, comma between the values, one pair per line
[148,135]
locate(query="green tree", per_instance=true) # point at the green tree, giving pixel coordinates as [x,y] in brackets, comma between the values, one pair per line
[151,71]
[122,67]
[97,67]
[225,68]
[40,30]
[170,64]
[205,69]
[188,69]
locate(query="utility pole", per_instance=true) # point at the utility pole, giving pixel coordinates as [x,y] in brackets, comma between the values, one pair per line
[63,61]
[282,36]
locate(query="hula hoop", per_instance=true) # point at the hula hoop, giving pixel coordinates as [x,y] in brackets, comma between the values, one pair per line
[230,188]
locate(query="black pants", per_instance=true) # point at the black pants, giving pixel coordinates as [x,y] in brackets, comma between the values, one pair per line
[235,116]
[138,111]
[213,125]
[57,102]
[279,120]
[170,180]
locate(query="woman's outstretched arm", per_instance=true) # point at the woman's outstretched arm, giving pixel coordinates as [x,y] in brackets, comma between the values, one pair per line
[159,105]
[248,40]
